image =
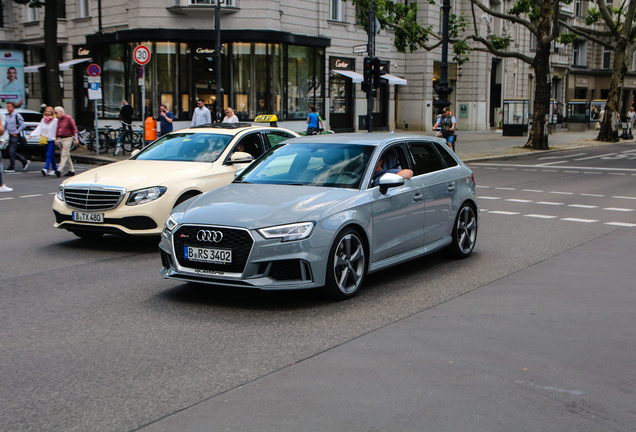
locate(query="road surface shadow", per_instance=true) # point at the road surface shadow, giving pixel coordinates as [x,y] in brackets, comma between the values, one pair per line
[113,243]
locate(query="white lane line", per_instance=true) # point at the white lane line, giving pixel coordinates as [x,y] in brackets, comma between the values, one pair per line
[509,169]
[549,170]
[618,209]
[624,197]
[485,210]
[52,193]
[483,187]
[593,195]
[550,203]
[528,169]
[560,167]
[503,212]
[552,163]
[531,190]
[561,193]
[540,216]
[30,196]
[595,157]
[616,174]
[4,199]
[519,200]
[492,168]
[561,156]
[621,224]
[582,206]
[488,198]
[504,188]
[588,172]
[579,220]
[572,172]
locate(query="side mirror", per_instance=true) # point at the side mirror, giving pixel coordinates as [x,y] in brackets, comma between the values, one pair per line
[134,152]
[241,157]
[390,180]
[238,172]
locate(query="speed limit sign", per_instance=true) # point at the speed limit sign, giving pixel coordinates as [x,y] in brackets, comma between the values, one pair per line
[141,55]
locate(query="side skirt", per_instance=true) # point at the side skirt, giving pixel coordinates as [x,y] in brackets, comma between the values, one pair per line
[406,256]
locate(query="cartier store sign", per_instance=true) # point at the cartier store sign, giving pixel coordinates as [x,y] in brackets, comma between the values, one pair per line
[342,63]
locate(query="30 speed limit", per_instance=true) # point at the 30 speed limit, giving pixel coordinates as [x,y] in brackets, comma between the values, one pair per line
[141,55]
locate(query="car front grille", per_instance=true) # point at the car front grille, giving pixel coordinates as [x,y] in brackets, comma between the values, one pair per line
[92,198]
[239,241]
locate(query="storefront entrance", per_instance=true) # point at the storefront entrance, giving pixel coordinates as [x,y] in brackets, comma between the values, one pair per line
[341,94]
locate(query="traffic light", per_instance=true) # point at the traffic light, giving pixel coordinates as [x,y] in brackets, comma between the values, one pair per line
[379,69]
[368,69]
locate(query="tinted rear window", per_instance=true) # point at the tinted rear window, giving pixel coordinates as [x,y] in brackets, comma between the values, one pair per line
[31,117]
[443,150]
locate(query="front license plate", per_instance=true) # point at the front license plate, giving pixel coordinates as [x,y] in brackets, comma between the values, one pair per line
[88,217]
[212,256]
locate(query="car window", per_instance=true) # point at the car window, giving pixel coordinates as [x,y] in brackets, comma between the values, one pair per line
[426,159]
[448,158]
[393,160]
[314,164]
[186,147]
[276,137]
[31,117]
[250,143]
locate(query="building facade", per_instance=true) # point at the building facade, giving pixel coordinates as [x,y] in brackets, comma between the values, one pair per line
[281,57]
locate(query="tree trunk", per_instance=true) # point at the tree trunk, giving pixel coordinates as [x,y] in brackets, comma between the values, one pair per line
[609,126]
[51,57]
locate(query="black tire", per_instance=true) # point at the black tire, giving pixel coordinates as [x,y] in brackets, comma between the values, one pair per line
[347,265]
[464,232]
[88,235]
[127,143]
[104,142]
[183,198]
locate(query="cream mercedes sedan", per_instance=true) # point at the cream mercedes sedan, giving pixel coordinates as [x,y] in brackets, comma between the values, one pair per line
[136,196]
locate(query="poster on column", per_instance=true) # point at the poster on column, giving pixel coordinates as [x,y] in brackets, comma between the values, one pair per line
[12,77]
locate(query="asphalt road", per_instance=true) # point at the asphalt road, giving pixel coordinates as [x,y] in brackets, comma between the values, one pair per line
[91,337]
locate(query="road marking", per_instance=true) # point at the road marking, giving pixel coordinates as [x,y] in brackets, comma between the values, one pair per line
[483,187]
[550,203]
[618,209]
[531,190]
[488,198]
[624,197]
[552,163]
[492,168]
[572,172]
[596,157]
[519,200]
[549,170]
[509,169]
[503,212]
[579,220]
[560,167]
[4,199]
[484,210]
[504,188]
[593,195]
[616,174]
[30,196]
[622,224]
[540,216]
[529,170]
[561,156]
[582,206]
[587,172]
[561,193]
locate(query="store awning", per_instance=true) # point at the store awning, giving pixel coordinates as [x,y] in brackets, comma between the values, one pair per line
[356,77]
[63,66]
[394,80]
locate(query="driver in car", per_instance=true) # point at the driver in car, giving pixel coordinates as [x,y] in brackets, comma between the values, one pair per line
[389,163]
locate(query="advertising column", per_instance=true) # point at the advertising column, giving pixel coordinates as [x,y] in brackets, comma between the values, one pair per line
[12,87]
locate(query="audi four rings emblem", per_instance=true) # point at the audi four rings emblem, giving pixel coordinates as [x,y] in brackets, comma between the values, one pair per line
[210,236]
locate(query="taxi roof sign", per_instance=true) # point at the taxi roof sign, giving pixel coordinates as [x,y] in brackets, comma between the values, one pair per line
[265,118]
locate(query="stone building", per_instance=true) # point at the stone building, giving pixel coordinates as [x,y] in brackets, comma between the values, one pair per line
[280,57]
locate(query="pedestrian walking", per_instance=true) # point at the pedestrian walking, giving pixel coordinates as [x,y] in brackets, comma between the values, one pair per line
[3,187]
[314,122]
[201,115]
[631,117]
[14,125]
[66,134]
[47,131]
[125,115]
[166,118]
[230,117]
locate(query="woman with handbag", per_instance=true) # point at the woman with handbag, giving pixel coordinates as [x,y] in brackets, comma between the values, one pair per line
[47,130]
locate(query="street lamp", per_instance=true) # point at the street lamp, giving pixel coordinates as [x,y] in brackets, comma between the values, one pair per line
[443,90]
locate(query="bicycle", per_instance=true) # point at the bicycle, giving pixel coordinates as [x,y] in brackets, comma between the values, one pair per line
[108,137]
[136,140]
[124,141]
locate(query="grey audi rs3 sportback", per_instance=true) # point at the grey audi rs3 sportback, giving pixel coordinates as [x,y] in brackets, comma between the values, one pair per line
[324,212]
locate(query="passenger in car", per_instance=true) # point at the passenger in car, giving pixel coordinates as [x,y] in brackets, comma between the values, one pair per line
[389,163]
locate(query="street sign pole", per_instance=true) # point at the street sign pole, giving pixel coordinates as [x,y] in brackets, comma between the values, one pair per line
[96,130]
[95,93]
[371,53]
[141,54]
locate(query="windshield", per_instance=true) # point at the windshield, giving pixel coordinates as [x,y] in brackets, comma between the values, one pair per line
[186,147]
[314,164]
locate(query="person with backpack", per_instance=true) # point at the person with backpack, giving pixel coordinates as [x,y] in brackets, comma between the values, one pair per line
[446,124]
[14,125]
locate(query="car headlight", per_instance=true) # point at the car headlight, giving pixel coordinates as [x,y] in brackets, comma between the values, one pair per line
[297,231]
[60,193]
[143,196]
[170,225]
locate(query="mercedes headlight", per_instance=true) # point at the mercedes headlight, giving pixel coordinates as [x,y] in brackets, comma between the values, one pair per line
[297,231]
[60,193]
[170,225]
[143,196]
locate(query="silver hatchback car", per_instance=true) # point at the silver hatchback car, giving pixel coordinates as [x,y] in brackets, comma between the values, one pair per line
[324,212]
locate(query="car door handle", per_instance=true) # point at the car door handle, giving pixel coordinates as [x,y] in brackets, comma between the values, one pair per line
[451,188]
[418,197]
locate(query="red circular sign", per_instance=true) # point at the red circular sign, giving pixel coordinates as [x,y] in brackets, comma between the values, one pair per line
[141,54]
[93,70]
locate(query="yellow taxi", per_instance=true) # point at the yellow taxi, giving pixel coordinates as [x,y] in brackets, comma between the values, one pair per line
[136,196]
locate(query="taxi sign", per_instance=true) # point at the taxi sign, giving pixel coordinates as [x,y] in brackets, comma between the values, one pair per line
[265,118]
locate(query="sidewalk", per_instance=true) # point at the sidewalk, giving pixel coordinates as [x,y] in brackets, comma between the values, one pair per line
[470,145]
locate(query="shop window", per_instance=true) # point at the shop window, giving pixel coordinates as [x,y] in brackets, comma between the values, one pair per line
[113,80]
[607,53]
[166,69]
[305,81]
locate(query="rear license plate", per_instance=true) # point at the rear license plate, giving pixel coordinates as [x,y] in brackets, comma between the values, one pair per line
[88,217]
[212,256]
